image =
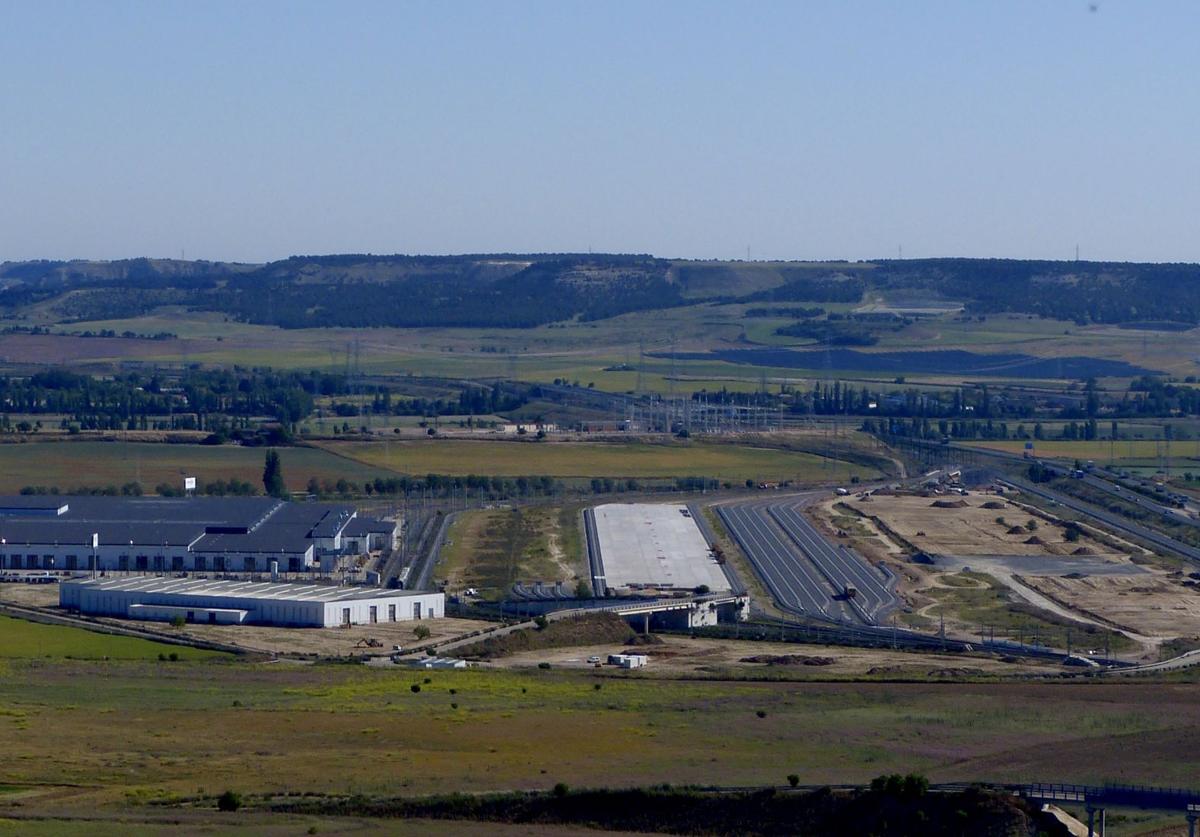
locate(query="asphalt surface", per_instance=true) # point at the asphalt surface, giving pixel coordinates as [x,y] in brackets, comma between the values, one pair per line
[794,582]
[840,566]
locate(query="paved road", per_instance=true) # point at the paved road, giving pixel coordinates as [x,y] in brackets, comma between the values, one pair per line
[794,582]
[840,566]
[1114,521]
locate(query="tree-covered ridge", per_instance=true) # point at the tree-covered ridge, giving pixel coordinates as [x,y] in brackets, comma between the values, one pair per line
[508,290]
[1098,292]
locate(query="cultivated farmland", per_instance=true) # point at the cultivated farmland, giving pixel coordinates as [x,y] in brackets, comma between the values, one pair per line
[593,459]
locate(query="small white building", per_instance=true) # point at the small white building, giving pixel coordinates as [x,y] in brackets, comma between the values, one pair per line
[237,602]
[628,660]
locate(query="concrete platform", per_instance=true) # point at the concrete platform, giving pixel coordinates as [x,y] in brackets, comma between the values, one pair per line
[655,546]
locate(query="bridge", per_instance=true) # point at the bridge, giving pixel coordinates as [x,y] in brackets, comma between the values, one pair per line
[1098,798]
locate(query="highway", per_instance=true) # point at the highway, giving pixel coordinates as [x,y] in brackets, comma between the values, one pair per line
[1110,519]
[794,582]
[840,566]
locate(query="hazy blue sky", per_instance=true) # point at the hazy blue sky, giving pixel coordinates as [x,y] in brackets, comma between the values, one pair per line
[255,130]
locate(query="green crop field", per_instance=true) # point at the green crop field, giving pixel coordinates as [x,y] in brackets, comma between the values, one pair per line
[69,464]
[591,459]
[20,639]
[1100,450]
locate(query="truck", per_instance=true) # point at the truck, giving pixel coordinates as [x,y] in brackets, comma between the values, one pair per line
[850,591]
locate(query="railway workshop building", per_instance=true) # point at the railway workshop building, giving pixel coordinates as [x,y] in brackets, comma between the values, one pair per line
[174,535]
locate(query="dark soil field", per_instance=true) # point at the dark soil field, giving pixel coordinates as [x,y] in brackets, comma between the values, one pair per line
[942,362]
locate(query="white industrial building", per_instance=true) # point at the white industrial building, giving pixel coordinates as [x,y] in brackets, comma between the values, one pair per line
[238,602]
[195,534]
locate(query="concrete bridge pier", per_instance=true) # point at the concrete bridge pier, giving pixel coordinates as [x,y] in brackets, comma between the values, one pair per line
[1191,818]
[1092,811]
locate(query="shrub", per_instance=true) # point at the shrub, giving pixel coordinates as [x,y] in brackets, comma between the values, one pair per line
[178,621]
[421,632]
[415,688]
[541,622]
[561,790]
[541,666]
[760,713]
[793,779]
[229,801]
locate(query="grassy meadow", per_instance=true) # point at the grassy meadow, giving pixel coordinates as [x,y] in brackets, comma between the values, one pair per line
[351,729]
[20,639]
[492,548]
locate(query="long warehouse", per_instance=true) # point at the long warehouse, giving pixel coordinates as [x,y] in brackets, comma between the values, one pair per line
[195,534]
[238,602]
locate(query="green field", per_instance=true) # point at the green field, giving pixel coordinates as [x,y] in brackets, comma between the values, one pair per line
[1133,452]
[98,736]
[20,639]
[71,464]
[580,351]
[594,459]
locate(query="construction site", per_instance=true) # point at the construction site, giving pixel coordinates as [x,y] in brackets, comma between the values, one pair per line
[989,561]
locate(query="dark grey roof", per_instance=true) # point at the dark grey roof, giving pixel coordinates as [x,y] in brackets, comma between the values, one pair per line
[60,531]
[360,526]
[220,524]
[32,503]
[267,538]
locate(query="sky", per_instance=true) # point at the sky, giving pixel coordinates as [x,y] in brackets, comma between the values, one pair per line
[795,130]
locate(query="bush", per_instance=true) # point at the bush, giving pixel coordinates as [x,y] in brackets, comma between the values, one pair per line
[173,657]
[541,666]
[415,688]
[793,779]
[229,801]
[178,621]
[561,790]
[421,632]
[541,622]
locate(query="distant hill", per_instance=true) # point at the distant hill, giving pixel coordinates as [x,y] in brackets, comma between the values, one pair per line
[509,290]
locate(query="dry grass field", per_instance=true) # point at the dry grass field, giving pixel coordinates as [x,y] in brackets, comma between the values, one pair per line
[490,549]
[348,729]
[1153,604]
[593,459]
[71,464]
[942,525]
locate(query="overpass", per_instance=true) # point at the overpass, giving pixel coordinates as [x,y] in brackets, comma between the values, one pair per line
[1098,798]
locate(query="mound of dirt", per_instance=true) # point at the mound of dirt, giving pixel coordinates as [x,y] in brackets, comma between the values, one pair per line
[949,504]
[646,639]
[1017,530]
[994,504]
[597,629]
[1034,541]
[789,660]
[1083,550]
[956,672]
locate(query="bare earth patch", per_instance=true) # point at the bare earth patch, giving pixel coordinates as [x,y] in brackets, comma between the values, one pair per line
[1150,604]
[683,656]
